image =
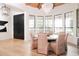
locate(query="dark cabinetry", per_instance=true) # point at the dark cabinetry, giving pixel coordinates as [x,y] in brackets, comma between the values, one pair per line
[19,26]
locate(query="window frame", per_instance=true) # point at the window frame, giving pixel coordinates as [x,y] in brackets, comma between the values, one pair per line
[65,28]
[54,23]
[37,29]
[32,28]
[37,19]
[46,27]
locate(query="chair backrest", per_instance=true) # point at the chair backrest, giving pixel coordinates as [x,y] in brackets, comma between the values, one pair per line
[42,43]
[66,37]
[32,36]
[61,42]
[49,33]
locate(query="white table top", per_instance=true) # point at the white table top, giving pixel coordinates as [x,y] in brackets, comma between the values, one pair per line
[53,37]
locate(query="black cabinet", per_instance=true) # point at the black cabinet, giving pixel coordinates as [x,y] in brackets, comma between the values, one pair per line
[19,26]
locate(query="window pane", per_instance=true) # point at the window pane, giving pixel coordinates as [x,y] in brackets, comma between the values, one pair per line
[31,24]
[58,21]
[69,22]
[69,19]
[48,24]
[31,21]
[48,21]
[39,22]
[57,30]
[48,30]
[69,30]
[38,30]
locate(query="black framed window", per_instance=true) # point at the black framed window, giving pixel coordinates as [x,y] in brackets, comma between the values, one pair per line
[48,23]
[58,23]
[32,23]
[39,24]
[69,22]
[62,22]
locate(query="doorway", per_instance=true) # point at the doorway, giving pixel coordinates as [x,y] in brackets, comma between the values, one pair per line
[19,26]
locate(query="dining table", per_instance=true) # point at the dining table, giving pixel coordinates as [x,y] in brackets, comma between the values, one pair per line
[52,37]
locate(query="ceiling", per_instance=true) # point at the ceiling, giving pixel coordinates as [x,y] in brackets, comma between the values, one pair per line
[39,5]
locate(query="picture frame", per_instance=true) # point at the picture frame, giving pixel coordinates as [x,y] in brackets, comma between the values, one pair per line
[3,28]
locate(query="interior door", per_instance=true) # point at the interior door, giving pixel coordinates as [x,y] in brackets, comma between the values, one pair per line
[19,26]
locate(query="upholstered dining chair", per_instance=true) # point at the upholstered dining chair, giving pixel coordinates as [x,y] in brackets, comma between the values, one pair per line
[34,42]
[65,40]
[58,47]
[42,43]
[66,37]
[49,33]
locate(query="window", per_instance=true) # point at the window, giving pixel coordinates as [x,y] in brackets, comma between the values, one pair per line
[58,24]
[39,24]
[48,23]
[31,23]
[69,22]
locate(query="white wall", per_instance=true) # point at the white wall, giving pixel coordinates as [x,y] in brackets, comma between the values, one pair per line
[21,8]
[8,34]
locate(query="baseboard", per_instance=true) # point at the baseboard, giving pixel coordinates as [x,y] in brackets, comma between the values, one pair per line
[6,39]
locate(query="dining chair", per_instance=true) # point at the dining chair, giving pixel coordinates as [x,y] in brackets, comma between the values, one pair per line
[58,47]
[66,37]
[65,40]
[42,43]
[34,42]
[49,33]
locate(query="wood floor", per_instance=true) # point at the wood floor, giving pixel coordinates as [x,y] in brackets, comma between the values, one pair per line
[14,48]
[17,47]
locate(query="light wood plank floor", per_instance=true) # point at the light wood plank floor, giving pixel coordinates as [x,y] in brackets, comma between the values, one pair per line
[14,47]
[17,47]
